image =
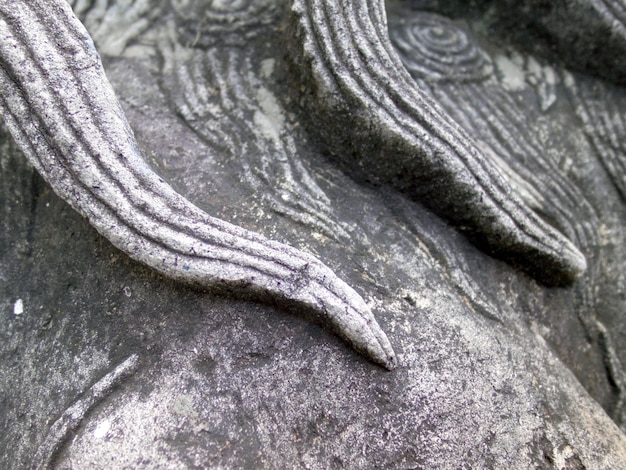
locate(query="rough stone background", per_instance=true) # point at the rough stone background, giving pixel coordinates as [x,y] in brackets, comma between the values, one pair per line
[496,370]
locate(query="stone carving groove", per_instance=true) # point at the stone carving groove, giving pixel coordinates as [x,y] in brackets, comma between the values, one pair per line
[62,429]
[603,128]
[201,84]
[64,115]
[233,23]
[114,33]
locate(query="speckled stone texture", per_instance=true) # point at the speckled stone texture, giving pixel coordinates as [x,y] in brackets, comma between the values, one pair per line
[106,364]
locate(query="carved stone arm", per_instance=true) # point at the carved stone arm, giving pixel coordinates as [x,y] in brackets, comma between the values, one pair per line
[63,114]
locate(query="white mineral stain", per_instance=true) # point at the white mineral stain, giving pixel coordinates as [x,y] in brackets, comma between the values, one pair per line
[511,74]
[269,120]
[102,429]
[226,5]
[550,75]
[18,307]
[267,67]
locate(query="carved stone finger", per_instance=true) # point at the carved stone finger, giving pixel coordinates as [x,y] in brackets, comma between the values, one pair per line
[64,115]
[399,136]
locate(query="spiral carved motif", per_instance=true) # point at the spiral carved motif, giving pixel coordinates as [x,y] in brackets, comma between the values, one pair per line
[434,48]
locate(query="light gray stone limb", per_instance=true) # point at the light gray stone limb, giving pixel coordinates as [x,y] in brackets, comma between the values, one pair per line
[64,115]
[357,82]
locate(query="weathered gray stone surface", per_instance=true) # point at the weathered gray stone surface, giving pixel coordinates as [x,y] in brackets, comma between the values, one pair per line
[106,364]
